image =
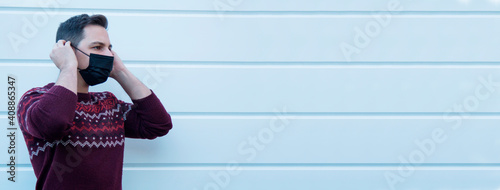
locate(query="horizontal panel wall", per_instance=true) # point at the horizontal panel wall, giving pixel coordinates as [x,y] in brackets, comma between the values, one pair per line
[314,139]
[265,38]
[263,5]
[301,88]
[358,92]
[270,179]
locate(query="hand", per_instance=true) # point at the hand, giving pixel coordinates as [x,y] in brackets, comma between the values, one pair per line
[134,87]
[118,66]
[63,55]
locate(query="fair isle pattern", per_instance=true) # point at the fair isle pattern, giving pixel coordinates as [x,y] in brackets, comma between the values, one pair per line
[97,97]
[98,123]
[34,91]
[77,143]
[94,116]
[37,90]
[100,97]
[26,118]
[96,129]
[107,113]
[129,107]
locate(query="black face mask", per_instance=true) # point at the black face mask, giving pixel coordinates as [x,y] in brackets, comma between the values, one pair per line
[99,68]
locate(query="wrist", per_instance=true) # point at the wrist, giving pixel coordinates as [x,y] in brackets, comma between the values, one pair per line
[119,74]
[69,67]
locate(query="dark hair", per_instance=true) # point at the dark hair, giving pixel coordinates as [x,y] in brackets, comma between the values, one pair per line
[72,29]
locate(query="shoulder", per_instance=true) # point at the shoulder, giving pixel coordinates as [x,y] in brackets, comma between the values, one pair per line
[36,91]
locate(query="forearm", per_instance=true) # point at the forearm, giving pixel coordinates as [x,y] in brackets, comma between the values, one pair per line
[64,58]
[68,78]
[133,86]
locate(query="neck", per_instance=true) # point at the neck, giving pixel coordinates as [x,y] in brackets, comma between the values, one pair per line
[81,86]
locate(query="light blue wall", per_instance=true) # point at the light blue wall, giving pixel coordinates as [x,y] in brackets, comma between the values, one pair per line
[295,94]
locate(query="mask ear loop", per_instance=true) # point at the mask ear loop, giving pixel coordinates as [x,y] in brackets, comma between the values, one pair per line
[80,51]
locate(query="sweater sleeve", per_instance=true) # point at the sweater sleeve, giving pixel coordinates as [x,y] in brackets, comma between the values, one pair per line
[146,119]
[47,114]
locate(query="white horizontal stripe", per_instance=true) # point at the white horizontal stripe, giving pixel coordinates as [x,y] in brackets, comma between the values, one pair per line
[329,168]
[188,117]
[305,65]
[290,168]
[318,117]
[257,14]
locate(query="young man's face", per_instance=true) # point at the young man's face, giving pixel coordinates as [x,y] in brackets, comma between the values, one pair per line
[95,40]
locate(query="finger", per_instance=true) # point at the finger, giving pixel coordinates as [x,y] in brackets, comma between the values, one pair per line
[57,43]
[61,42]
[68,43]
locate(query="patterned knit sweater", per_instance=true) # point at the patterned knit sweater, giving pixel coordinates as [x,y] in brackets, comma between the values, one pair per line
[77,141]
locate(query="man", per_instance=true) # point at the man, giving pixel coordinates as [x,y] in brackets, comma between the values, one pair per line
[75,138]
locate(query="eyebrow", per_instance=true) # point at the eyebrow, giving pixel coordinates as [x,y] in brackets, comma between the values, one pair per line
[100,43]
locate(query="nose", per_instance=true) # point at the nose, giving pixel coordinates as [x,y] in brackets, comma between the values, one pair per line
[108,52]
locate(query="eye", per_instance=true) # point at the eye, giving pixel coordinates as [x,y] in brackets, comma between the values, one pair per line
[97,47]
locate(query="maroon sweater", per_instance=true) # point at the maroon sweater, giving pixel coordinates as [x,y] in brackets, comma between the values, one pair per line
[77,141]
